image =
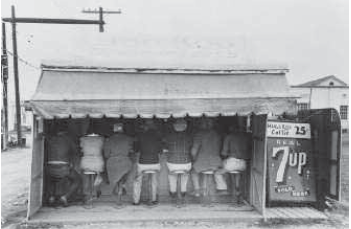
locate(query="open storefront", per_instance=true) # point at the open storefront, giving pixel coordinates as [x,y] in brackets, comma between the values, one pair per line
[83,98]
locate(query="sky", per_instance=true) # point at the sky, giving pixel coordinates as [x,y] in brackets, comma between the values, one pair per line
[308,36]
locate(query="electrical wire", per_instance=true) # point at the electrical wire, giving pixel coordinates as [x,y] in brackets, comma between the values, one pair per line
[23,60]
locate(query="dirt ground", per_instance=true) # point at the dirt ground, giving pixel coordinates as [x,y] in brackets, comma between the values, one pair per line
[15,170]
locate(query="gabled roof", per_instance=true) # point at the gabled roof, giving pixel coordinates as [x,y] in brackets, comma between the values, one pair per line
[318,82]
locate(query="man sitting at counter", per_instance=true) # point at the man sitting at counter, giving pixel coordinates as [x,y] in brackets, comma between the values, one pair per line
[178,145]
[236,149]
[149,144]
[61,153]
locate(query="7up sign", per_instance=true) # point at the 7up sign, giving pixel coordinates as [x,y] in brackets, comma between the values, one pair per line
[290,162]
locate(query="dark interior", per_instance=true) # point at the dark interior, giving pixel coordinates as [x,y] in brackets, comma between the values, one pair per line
[79,127]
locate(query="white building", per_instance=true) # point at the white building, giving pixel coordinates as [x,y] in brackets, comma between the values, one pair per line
[326,92]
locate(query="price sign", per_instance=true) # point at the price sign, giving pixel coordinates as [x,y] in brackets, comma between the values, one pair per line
[289,130]
[290,164]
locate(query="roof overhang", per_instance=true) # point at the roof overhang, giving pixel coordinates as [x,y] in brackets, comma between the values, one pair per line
[78,92]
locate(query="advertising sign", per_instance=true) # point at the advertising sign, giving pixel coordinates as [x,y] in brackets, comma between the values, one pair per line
[290,162]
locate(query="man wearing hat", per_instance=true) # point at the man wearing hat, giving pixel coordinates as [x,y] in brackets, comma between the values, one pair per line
[117,150]
[178,144]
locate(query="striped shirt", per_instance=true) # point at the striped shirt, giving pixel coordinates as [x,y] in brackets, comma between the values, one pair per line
[179,146]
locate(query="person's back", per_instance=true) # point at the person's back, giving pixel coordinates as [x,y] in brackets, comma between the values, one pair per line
[207,143]
[150,145]
[61,151]
[178,146]
[60,148]
[239,145]
[118,145]
[92,145]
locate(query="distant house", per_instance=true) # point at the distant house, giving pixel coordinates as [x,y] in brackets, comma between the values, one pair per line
[326,92]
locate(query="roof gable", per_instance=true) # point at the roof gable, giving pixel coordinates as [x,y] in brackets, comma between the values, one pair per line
[328,81]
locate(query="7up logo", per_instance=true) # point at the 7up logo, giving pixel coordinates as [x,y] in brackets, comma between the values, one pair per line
[292,159]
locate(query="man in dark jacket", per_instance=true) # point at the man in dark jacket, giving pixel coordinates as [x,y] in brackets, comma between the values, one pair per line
[61,154]
[149,144]
[178,144]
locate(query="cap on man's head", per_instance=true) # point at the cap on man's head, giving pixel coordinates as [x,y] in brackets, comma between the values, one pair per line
[180,125]
[118,127]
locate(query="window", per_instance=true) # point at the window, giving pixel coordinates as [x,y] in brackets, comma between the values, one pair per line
[302,106]
[331,84]
[343,112]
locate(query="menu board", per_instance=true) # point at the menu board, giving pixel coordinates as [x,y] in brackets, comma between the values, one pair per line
[291,171]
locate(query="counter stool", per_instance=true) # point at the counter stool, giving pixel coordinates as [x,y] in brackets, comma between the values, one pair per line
[235,195]
[179,194]
[206,200]
[56,183]
[149,174]
[91,175]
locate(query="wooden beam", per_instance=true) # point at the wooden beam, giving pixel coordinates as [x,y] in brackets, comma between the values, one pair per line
[52,21]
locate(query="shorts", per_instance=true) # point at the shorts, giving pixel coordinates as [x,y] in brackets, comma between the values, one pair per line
[234,164]
[92,164]
[147,167]
[179,167]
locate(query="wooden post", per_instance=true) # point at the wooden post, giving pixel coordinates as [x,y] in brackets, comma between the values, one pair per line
[101,19]
[4,77]
[15,70]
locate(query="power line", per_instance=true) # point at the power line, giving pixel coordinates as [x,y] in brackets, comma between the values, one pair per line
[23,60]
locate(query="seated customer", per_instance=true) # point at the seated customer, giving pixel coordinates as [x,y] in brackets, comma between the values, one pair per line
[92,163]
[150,145]
[178,144]
[118,163]
[206,155]
[61,154]
[237,150]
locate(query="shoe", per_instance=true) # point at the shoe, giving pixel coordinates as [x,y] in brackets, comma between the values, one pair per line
[98,193]
[196,193]
[222,192]
[64,201]
[51,200]
[173,194]
[239,200]
[152,203]
[136,204]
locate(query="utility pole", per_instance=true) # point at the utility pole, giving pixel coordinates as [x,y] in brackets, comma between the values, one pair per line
[15,72]
[101,12]
[4,77]
[13,20]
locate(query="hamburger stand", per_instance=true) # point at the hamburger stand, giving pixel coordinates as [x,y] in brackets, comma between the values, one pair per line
[295,158]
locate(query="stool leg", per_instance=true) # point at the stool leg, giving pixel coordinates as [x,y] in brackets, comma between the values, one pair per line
[91,182]
[178,183]
[150,188]
[205,181]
